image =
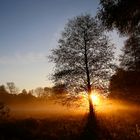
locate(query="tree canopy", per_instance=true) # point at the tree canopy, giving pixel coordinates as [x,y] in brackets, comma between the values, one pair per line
[121,14]
[130,59]
[84,55]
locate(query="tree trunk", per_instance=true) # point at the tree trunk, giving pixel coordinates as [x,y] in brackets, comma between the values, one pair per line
[90,106]
[88,76]
[91,109]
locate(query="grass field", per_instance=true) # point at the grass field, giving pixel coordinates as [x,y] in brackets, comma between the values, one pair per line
[115,120]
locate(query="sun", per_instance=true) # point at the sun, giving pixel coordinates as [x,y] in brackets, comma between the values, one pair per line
[95,98]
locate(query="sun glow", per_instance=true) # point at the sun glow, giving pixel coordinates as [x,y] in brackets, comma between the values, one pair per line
[95,98]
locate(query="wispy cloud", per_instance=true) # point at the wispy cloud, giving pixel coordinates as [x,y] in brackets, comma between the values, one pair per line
[23,58]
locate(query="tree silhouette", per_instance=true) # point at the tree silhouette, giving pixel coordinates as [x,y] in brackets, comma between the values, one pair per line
[121,14]
[12,88]
[3,89]
[124,15]
[83,57]
[39,92]
[24,92]
[130,59]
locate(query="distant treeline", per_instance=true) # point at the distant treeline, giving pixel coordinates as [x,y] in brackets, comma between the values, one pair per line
[10,94]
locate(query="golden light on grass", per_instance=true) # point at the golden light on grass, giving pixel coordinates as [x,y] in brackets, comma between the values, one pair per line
[95,98]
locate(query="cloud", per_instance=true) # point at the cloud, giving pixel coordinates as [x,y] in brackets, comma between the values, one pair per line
[23,58]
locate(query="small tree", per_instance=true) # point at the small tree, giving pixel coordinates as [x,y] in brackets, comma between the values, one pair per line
[83,57]
[39,92]
[3,89]
[24,92]
[12,88]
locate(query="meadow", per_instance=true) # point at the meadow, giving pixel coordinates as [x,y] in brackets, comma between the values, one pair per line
[115,120]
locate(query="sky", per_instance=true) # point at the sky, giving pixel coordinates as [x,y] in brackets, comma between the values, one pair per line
[29,30]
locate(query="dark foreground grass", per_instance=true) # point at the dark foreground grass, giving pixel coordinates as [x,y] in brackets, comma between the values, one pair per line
[44,129]
[116,124]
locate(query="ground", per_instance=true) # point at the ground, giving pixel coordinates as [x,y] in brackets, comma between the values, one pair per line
[114,120]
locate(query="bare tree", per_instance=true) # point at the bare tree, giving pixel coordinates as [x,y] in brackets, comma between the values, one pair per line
[39,92]
[12,88]
[84,56]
